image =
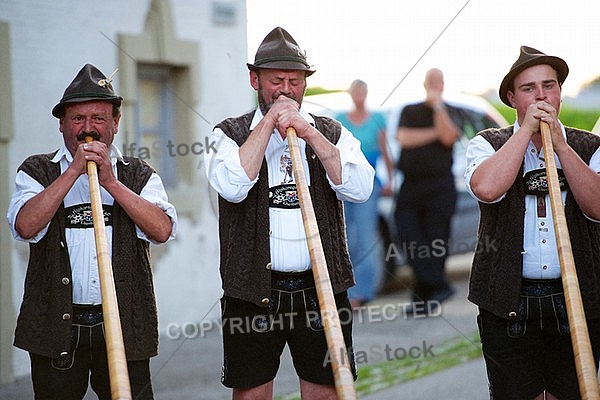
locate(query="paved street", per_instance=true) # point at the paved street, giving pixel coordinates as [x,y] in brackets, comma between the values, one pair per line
[190,368]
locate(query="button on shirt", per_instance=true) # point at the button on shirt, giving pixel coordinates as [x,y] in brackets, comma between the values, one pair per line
[81,241]
[540,251]
[288,245]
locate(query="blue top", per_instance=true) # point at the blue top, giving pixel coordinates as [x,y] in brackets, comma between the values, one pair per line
[367,133]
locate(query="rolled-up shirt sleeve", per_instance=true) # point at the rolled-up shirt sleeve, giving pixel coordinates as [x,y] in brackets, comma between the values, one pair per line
[155,193]
[25,189]
[595,166]
[227,176]
[478,151]
[357,174]
[224,169]
[595,161]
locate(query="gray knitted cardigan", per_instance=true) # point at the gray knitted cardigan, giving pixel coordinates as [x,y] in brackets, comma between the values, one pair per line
[44,322]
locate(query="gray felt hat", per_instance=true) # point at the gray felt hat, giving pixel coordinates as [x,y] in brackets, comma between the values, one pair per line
[279,50]
[89,84]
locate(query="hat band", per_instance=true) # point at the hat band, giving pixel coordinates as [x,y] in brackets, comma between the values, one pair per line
[86,95]
[281,58]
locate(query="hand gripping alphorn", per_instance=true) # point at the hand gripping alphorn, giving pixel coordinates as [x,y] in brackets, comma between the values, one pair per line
[582,348]
[120,388]
[342,372]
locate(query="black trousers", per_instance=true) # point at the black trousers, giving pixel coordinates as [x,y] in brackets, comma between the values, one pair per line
[423,215]
[67,377]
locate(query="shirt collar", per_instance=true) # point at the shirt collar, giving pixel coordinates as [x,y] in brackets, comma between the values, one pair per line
[64,153]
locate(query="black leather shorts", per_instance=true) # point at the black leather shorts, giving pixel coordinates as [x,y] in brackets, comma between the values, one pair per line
[541,306]
[254,337]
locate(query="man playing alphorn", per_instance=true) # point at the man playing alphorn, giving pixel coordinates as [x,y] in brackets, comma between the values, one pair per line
[516,276]
[265,262]
[61,319]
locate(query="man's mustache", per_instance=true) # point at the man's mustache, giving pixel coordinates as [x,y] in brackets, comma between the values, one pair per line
[93,134]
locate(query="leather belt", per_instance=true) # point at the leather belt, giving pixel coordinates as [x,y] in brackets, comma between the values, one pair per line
[292,281]
[89,315]
[541,287]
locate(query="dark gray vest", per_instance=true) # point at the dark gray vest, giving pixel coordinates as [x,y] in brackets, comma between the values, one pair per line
[43,326]
[244,227]
[495,281]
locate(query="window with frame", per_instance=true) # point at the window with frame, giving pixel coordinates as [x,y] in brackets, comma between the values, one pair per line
[155,125]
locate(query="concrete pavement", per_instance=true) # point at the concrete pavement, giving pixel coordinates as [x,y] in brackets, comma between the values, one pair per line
[190,368]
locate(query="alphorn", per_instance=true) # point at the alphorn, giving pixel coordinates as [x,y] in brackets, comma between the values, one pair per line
[582,348]
[340,364]
[120,387]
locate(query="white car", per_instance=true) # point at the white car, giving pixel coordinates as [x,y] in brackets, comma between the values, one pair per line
[473,114]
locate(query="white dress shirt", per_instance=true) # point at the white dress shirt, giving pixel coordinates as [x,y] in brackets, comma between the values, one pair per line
[81,241]
[540,251]
[288,245]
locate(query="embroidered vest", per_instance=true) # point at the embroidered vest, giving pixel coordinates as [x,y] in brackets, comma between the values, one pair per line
[44,322]
[495,282]
[244,227]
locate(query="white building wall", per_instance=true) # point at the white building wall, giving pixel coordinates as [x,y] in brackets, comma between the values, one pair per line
[51,41]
